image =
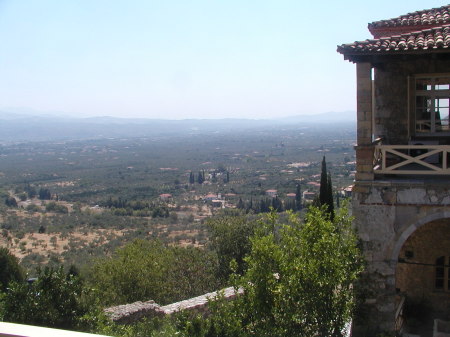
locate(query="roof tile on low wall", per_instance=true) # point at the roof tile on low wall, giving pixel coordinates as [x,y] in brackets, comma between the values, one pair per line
[129,313]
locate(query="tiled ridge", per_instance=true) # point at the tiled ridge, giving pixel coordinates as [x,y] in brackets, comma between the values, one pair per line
[428,39]
[440,16]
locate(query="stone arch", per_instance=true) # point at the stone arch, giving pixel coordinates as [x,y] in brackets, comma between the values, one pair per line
[420,259]
[412,228]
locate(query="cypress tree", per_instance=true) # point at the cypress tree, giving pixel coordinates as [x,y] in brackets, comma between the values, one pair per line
[264,205]
[250,205]
[240,204]
[298,198]
[277,204]
[326,190]
[323,183]
[201,177]
[338,200]
[330,203]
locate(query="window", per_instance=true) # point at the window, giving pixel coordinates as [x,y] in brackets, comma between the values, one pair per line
[442,274]
[432,95]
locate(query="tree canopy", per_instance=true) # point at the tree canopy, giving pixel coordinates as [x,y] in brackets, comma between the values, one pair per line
[298,281]
[326,189]
[10,270]
[230,240]
[148,270]
[54,299]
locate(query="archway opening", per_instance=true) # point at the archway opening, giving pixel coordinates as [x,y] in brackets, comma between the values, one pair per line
[423,274]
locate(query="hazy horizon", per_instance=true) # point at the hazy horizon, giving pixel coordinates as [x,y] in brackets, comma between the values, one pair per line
[23,111]
[182,60]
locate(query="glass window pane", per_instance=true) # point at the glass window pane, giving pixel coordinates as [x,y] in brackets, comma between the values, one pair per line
[433,104]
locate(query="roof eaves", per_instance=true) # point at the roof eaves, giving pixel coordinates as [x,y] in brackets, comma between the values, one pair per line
[440,15]
[424,40]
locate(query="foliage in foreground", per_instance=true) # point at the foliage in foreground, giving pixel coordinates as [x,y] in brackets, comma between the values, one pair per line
[54,299]
[10,269]
[230,239]
[144,270]
[298,282]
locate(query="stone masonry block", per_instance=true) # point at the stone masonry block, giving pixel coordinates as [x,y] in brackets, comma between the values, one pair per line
[364,176]
[364,155]
[364,168]
[364,115]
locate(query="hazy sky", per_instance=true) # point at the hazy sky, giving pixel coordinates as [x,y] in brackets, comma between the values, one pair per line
[184,58]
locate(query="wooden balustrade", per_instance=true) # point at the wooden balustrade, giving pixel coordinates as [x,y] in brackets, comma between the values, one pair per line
[411,159]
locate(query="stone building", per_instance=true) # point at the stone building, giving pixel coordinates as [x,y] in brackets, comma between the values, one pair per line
[401,197]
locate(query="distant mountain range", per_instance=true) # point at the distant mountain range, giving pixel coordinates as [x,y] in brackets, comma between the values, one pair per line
[27,125]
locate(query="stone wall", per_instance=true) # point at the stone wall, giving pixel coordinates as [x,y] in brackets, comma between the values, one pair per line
[416,269]
[129,313]
[386,214]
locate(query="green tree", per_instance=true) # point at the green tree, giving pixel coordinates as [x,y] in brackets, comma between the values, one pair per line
[10,270]
[277,204]
[31,191]
[299,278]
[240,204]
[57,208]
[250,206]
[230,239]
[298,197]
[11,202]
[192,272]
[134,273]
[323,197]
[330,202]
[44,194]
[54,299]
[201,177]
[144,270]
[326,190]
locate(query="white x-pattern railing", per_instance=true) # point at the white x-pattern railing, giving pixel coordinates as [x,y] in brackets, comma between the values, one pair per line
[411,159]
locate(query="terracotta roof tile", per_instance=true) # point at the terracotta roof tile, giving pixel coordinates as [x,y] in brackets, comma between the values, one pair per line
[439,16]
[428,39]
[419,20]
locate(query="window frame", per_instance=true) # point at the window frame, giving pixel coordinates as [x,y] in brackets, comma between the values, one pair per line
[442,273]
[433,94]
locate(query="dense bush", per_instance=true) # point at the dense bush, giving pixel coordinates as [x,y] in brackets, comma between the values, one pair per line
[54,299]
[57,208]
[10,269]
[148,270]
[230,240]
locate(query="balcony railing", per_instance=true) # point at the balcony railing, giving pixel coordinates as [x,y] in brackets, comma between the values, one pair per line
[411,159]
